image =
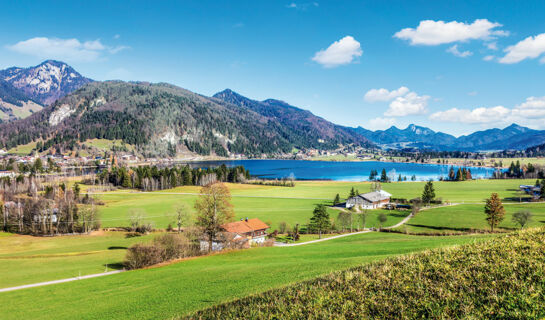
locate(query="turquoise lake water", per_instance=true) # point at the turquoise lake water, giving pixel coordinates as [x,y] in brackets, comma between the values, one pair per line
[341,171]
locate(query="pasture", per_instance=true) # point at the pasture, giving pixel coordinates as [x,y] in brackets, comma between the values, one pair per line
[189,285]
[289,204]
[27,259]
[469,218]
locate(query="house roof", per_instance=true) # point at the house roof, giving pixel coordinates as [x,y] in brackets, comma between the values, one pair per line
[376,196]
[245,226]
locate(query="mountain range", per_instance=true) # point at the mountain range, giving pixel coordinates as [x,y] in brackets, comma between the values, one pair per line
[24,91]
[55,107]
[513,137]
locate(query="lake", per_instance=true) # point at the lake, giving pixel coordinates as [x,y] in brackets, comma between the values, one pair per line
[340,171]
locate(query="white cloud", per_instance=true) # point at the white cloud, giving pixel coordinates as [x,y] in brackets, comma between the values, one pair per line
[117,36]
[478,115]
[340,52]
[292,5]
[380,123]
[489,58]
[410,104]
[529,113]
[462,54]
[472,93]
[382,94]
[64,49]
[430,32]
[492,45]
[533,107]
[529,48]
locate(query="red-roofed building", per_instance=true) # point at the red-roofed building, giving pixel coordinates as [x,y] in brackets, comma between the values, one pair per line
[254,230]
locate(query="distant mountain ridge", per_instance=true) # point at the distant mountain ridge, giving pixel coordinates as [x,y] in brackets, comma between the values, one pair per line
[162,119]
[301,123]
[513,137]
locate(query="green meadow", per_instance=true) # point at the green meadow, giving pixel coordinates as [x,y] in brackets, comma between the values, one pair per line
[290,205]
[28,259]
[189,285]
[196,283]
[469,218]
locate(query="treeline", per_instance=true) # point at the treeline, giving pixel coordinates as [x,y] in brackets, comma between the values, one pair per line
[29,207]
[517,170]
[151,178]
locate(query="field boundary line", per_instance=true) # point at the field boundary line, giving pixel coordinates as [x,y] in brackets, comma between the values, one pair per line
[46,283]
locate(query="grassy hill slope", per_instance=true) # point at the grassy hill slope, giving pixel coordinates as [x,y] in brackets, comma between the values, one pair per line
[499,279]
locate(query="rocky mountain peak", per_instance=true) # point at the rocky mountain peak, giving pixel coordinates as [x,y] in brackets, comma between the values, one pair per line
[46,82]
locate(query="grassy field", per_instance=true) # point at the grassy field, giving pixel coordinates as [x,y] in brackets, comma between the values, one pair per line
[468,218]
[29,259]
[23,150]
[291,205]
[105,144]
[197,283]
[500,279]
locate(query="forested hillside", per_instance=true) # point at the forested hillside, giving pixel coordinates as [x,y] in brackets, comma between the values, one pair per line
[162,119]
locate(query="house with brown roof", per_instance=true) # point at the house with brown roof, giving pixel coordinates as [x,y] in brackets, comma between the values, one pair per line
[239,234]
[254,230]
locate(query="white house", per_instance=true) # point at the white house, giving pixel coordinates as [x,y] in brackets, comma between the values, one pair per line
[370,200]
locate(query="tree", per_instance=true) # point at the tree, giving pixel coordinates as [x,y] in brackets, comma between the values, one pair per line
[494,211]
[182,217]
[383,176]
[459,175]
[381,219]
[345,219]
[76,190]
[376,186]
[283,227]
[363,217]
[352,193]
[337,200]
[214,208]
[320,220]
[429,192]
[522,217]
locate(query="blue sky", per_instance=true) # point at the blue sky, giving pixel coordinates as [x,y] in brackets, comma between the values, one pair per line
[456,66]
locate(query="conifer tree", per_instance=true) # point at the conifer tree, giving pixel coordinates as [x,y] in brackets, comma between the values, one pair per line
[320,220]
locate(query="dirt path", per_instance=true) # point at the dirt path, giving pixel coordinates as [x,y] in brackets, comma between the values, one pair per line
[39,284]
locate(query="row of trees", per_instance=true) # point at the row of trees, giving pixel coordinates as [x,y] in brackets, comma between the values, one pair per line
[150,178]
[461,174]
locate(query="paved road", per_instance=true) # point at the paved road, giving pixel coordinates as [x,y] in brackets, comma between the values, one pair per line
[60,281]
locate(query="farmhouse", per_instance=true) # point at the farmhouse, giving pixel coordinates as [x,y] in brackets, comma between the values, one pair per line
[370,200]
[254,230]
[239,234]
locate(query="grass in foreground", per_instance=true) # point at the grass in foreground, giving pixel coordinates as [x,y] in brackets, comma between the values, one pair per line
[194,284]
[500,279]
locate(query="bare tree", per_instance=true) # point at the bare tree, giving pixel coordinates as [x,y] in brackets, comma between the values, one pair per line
[214,208]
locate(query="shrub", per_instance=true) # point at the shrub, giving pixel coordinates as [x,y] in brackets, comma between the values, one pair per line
[143,255]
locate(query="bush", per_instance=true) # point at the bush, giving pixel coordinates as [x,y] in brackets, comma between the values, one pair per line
[143,255]
[175,246]
[165,247]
